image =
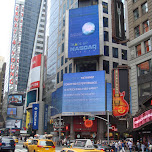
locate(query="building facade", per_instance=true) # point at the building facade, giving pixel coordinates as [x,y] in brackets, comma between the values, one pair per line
[140,45]
[59,63]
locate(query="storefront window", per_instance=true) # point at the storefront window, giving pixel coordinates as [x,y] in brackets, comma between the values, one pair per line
[145,89]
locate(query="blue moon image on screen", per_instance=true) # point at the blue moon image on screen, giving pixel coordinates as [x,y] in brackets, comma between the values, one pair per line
[88,28]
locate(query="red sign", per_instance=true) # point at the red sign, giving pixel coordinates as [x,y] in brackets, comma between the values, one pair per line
[142,119]
[88,123]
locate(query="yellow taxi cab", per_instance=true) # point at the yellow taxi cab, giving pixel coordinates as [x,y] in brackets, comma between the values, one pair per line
[15,139]
[41,145]
[81,145]
[26,143]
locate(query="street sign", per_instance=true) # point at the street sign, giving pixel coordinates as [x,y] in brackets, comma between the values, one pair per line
[91,118]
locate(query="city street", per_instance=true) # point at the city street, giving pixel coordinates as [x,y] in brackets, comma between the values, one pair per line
[19,148]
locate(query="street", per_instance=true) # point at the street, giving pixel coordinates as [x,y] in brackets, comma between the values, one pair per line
[19,148]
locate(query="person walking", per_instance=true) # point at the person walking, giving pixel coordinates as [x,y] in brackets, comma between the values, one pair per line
[138,145]
[123,146]
[116,146]
[142,147]
[130,145]
[150,147]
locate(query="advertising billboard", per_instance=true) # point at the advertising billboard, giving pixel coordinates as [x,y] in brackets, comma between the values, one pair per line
[35,115]
[118,31]
[83,37]
[27,119]
[45,116]
[142,119]
[15,99]
[84,92]
[35,71]
[11,111]
[120,91]
[14,123]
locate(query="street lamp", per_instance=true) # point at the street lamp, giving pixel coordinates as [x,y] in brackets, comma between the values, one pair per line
[59,121]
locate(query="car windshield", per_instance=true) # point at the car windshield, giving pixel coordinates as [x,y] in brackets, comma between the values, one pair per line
[46,143]
[29,141]
[7,140]
[80,143]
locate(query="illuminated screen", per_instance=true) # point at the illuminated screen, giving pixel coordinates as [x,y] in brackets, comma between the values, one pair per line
[15,99]
[13,123]
[84,92]
[11,111]
[31,96]
[83,32]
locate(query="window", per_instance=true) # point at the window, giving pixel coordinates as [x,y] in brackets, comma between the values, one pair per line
[144,8]
[124,54]
[58,63]
[145,89]
[59,50]
[105,7]
[63,35]
[70,68]
[66,60]
[115,64]
[106,36]
[61,75]
[71,2]
[145,26]
[105,22]
[147,46]
[115,52]
[137,31]
[62,60]
[63,47]
[134,1]
[106,50]
[64,7]
[58,77]
[106,66]
[66,70]
[138,50]
[136,14]
[143,68]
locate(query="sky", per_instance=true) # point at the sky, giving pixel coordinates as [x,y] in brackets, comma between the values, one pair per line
[6,16]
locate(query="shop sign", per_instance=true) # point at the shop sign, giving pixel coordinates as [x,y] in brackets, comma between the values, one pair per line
[142,119]
[88,123]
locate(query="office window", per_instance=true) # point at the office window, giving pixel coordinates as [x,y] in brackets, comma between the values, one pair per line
[145,89]
[115,64]
[143,68]
[59,50]
[70,68]
[115,52]
[58,77]
[63,21]
[138,50]
[106,36]
[66,69]
[145,26]
[136,14]
[134,1]
[106,50]
[105,22]
[58,63]
[64,7]
[147,45]
[63,47]
[62,75]
[66,60]
[62,60]
[106,66]
[137,31]
[124,54]
[59,38]
[105,7]
[144,8]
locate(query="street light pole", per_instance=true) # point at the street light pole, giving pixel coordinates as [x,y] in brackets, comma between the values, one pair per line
[59,122]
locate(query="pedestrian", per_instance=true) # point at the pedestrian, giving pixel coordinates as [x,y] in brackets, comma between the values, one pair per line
[150,147]
[138,145]
[130,145]
[123,146]
[142,147]
[119,145]
[116,146]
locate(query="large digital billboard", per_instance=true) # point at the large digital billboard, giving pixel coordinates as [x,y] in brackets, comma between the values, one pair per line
[120,91]
[15,99]
[83,38]
[13,123]
[11,111]
[84,92]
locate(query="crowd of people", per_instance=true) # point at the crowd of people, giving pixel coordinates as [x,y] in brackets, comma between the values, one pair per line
[123,145]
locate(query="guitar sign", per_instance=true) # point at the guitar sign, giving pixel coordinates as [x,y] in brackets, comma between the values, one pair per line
[120,105]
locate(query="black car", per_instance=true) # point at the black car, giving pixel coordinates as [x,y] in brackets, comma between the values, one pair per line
[7,144]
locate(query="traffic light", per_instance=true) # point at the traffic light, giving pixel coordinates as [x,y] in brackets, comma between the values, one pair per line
[84,118]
